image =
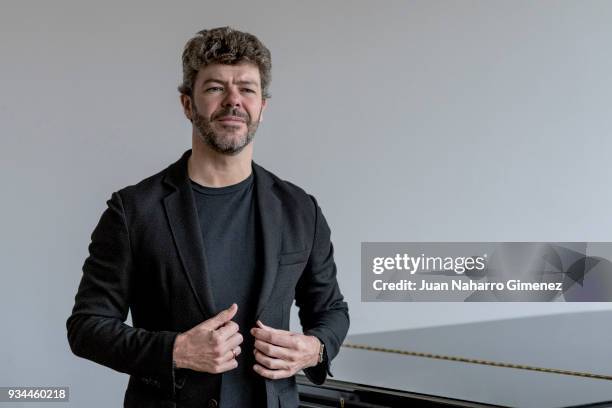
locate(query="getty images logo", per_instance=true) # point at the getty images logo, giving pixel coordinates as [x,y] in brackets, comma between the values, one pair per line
[422,263]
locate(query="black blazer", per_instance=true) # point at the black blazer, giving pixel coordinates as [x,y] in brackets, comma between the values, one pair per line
[146,254]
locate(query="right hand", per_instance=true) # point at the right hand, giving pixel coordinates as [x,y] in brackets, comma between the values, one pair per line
[208,346]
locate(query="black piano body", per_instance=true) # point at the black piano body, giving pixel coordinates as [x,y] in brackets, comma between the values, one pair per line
[552,361]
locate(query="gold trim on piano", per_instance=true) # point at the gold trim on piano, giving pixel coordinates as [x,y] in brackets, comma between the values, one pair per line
[476,361]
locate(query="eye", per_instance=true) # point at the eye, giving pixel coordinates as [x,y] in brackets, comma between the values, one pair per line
[214,89]
[248,90]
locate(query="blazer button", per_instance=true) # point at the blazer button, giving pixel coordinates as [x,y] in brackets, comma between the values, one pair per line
[212,403]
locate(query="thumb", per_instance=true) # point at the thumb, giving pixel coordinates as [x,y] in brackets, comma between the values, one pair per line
[265,327]
[224,316]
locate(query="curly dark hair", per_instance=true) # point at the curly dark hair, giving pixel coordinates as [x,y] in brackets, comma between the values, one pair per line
[224,45]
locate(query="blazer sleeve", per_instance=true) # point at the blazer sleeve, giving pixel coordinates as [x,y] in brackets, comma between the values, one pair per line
[322,310]
[96,328]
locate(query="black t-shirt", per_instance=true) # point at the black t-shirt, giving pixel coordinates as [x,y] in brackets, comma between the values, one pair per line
[230,227]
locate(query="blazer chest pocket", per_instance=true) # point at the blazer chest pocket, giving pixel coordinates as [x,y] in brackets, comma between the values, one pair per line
[293,258]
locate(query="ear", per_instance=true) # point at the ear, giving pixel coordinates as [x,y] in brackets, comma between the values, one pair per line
[187,104]
[264,103]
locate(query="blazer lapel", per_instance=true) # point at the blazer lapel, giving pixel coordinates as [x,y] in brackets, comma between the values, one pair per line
[270,212]
[183,219]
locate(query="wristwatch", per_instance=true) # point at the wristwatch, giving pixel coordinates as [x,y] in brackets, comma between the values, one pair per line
[321,350]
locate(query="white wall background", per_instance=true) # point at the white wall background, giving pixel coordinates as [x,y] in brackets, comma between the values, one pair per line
[408,120]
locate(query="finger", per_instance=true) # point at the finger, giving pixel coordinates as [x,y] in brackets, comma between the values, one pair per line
[227,366]
[227,330]
[274,336]
[231,354]
[272,350]
[227,345]
[271,374]
[223,317]
[272,329]
[271,363]
[234,341]
[219,338]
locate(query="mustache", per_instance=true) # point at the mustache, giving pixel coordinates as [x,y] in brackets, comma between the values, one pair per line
[232,112]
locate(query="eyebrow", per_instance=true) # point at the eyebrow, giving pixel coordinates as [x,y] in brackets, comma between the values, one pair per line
[242,82]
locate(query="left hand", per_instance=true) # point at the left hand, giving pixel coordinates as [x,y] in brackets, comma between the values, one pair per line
[281,353]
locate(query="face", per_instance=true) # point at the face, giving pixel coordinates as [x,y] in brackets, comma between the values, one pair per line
[226,106]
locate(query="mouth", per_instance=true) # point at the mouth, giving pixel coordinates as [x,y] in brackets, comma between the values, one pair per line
[231,119]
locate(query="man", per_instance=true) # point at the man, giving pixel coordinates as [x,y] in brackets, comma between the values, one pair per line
[209,255]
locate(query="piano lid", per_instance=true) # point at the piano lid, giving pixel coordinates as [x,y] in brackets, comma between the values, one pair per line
[545,361]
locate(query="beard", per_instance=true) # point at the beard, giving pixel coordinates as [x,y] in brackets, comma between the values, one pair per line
[227,140]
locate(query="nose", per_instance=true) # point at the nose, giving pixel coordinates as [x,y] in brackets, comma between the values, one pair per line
[232,98]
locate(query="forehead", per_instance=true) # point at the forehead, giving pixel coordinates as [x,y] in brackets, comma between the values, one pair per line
[244,71]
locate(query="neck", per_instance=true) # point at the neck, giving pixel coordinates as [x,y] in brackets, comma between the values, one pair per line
[213,169]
